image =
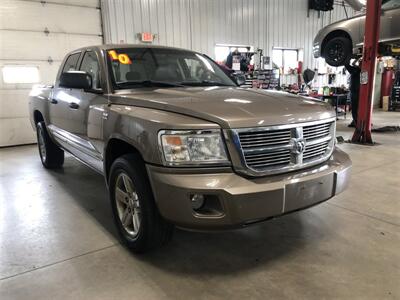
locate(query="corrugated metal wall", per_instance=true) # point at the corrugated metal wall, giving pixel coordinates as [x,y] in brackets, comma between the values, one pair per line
[201,24]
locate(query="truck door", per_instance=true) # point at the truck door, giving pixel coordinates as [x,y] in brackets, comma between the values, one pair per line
[61,97]
[85,118]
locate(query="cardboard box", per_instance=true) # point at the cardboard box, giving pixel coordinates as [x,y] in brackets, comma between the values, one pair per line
[385,103]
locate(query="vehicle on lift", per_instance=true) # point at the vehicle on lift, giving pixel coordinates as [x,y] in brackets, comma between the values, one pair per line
[180,143]
[340,41]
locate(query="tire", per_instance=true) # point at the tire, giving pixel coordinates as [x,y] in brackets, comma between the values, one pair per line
[136,205]
[51,155]
[337,51]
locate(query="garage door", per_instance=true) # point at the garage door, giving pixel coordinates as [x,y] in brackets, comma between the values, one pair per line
[34,37]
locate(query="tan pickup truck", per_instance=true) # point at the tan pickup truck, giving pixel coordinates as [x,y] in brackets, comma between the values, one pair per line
[179,143]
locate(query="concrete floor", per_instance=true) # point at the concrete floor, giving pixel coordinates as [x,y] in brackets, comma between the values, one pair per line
[57,239]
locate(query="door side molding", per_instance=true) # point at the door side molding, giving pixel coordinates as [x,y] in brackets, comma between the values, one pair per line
[75,141]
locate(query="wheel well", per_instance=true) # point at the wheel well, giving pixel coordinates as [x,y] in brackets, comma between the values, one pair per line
[37,116]
[116,148]
[334,34]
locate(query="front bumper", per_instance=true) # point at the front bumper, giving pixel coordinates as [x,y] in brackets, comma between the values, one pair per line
[245,200]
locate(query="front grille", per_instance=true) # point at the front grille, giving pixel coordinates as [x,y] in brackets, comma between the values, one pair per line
[277,149]
[316,131]
[315,151]
[273,158]
[250,140]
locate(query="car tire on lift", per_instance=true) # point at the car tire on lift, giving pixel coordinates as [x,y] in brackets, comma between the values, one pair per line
[337,51]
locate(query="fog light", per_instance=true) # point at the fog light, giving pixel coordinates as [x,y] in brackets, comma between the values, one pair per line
[197,201]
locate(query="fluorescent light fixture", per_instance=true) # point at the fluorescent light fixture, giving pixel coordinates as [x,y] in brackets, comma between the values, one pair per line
[20,74]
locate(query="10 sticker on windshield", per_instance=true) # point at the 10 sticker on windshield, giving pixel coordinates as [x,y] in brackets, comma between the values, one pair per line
[123,58]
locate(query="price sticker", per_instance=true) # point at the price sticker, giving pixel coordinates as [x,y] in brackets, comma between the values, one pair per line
[123,58]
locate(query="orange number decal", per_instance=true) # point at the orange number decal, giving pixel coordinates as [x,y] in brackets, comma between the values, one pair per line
[122,58]
[113,54]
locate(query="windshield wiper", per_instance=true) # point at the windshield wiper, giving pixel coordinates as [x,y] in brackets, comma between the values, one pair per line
[205,83]
[149,83]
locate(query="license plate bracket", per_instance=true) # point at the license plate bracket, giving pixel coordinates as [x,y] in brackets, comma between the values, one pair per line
[306,193]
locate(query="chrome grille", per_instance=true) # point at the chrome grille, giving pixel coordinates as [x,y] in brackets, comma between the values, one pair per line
[316,131]
[277,149]
[250,140]
[272,158]
[314,151]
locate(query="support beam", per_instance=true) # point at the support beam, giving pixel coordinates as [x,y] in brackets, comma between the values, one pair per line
[362,134]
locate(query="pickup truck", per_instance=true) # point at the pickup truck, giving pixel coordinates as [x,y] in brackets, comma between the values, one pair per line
[180,143]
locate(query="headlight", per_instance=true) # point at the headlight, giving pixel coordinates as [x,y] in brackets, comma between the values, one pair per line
[192,147]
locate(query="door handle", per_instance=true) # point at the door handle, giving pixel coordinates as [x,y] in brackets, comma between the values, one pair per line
[53,101]
[74,105]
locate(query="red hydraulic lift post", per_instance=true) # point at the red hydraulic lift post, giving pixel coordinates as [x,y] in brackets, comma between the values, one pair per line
[362,134]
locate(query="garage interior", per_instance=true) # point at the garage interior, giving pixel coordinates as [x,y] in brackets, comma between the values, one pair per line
[57,237]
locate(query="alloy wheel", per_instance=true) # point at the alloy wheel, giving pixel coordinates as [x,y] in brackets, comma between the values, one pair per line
[128,205]
[336,52]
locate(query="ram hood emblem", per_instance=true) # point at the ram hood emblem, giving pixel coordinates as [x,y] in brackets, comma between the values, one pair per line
[297,145]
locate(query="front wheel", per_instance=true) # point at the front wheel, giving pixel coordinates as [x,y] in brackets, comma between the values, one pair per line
[139,224]
[51,155]
[337,51]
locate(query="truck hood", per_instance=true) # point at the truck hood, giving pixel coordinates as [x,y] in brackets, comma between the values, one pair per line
[229,107]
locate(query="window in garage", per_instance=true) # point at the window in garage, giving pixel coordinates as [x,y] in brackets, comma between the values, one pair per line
[222,51]
[20,74]
[285,59]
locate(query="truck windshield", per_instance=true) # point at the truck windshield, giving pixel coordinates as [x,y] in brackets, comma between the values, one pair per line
[147,67]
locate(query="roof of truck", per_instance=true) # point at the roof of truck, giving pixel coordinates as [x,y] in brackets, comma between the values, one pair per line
[117,46]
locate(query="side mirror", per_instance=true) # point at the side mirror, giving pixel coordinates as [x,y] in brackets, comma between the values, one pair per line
[76,80]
